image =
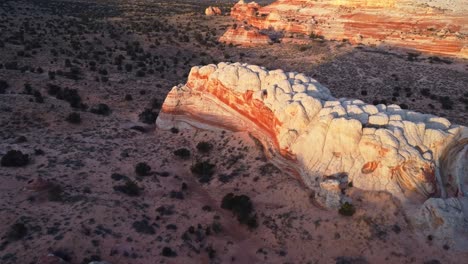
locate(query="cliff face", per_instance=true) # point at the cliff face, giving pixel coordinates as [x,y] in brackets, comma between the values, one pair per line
[315,136]
[415,25]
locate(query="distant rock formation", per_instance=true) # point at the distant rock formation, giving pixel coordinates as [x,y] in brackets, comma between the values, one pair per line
[246,36]
[213,11]
[326,142]
[427,26]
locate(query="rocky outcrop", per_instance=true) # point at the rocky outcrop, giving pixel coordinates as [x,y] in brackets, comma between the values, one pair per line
[314,135]
[427,26]
[246,36]
[446,220]
[327,142]
[243,10]
[213,11]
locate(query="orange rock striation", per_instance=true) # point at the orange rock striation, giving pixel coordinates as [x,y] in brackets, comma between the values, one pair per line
[246,36]
[409,24]
[328,143]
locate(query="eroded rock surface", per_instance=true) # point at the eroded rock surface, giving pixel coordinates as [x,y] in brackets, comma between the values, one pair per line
[314,135]
[213,11]
[246,36]
[326,141]
[438,27]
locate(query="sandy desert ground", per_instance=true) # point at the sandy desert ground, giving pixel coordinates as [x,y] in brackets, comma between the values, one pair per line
[79,198]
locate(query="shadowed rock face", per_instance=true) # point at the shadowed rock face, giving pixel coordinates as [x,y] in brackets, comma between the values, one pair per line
[433,27]
[314,135]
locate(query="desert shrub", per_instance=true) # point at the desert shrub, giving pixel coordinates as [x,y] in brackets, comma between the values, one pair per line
[101,109]
[168,252]
[426,92]
[140,73]
[446,102]
[176,195]
[143,227]
[204,147]
[130,188]
[203,170]
[155,104]
[17,231]
[38,97]
[73,118]
[142,169]
[69,95]
[412,56]
[15,158]
[55,193]
[51,75]
[118,177]
[147,116]
[128,97]
[347,209]
[3,86]
[174,130]
[182,153]
[242,207]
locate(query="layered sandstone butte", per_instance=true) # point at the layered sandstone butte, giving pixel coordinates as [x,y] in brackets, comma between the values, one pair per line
[327,142]
[245,36]
[213,11]
[434,27]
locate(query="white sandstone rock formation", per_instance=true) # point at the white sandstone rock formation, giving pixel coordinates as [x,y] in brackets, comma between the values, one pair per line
[316,137]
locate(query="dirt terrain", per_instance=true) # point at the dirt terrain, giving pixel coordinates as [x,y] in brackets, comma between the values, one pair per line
[79,198]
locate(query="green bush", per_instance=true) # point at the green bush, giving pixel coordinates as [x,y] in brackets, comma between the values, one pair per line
[182,153]
[130,188]
[101,109]
[204,147]
[15,158]
[347,209]
[17,231]
[73,118]
[203,170]
[142,169]
[242,207]
[148,116]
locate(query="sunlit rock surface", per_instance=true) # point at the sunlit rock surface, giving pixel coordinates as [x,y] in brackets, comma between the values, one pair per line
[246,36]
[327,142]
[315,135]
[438,27]
[212,11]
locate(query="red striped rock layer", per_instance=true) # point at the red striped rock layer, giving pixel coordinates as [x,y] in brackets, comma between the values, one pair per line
[314,135]
[394,23]
[246,36]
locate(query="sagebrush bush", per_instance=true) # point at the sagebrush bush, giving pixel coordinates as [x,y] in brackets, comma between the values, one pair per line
[347,209]
[204,170]
[242,207]
[182,153]
[130,188]
[204,147]
[74,118]
[15,158]
[148,116]
[101,109]
[142,169]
